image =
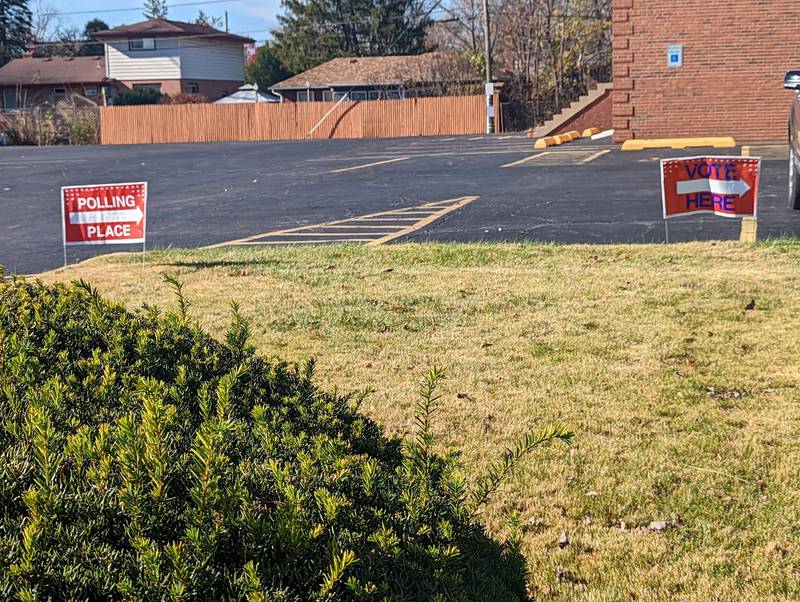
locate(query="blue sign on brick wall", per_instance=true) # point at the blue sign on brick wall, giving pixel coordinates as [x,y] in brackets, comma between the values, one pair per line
[675,55]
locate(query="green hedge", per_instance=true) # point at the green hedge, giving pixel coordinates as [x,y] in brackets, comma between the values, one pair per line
[141,459]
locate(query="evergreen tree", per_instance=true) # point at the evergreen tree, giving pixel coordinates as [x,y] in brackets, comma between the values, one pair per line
[93,27]
[266,69]
[91,47]
[15,29]
[155,9]
[314,31]
[209,20]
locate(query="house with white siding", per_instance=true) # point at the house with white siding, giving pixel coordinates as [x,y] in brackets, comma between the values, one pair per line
[174,57]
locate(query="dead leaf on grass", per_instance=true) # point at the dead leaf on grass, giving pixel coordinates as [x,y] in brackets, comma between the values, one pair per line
[659,526]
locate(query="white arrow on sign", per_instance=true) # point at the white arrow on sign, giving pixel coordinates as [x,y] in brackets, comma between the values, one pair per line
[738,187]
[106,217]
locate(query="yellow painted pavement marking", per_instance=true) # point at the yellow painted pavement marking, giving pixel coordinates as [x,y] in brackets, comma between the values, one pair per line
[307,242]
[356,226]
[463,201]
[426,214]
[385,219]
[375,164]
[526,159]
[345,233]
[596,155]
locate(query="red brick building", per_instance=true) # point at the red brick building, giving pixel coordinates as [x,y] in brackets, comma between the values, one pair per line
[734,56]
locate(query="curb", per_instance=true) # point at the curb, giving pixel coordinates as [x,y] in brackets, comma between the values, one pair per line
[679,143]
[589,132]
[560,139]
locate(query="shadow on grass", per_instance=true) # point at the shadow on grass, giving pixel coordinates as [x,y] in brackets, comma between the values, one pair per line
[494,572]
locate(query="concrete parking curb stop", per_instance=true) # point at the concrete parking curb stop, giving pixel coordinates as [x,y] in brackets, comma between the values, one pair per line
[560,139]
[589,132]
[679,143]
[545,142]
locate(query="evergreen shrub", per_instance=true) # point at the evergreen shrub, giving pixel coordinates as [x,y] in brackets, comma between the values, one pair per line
[141,459]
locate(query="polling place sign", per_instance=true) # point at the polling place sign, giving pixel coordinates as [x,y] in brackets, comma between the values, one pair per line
[104,214]
[726,186]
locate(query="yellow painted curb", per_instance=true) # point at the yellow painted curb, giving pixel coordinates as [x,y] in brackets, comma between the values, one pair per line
[561,139]
[677,143]
[545,142]
[589,132]
[574,134]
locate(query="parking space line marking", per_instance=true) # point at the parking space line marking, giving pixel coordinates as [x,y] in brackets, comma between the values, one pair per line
[393,215]
[348,226]
[306,242]
[385,219]
[315,233]
[515,151]
[594,156]
[526,159]
[355,167]
[463,201]
[31,161]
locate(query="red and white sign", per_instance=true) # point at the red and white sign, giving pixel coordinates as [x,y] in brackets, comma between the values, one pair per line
[726,186]
[104,214]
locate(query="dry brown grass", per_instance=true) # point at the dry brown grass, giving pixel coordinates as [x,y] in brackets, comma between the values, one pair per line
[684,403]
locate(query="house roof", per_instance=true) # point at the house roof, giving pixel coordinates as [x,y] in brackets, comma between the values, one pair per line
[248,93]
[165,28]
[371,71]
[54,70]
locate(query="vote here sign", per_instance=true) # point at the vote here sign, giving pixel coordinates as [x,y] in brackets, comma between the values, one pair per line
[104,214]
[726,186]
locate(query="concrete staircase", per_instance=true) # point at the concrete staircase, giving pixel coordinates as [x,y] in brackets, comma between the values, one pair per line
[559,119]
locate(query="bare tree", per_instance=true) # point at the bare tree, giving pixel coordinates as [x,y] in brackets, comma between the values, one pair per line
[46,21]
[551,52]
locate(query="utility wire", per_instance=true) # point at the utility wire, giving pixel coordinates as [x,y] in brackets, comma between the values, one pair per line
[136,8]
[76,43]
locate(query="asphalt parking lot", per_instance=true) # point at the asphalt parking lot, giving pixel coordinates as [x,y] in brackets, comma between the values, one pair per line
[479,188]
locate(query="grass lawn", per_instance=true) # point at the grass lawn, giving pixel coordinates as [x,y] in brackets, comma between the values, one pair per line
[684,402]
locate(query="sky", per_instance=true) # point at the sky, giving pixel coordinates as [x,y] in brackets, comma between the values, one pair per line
[253,18]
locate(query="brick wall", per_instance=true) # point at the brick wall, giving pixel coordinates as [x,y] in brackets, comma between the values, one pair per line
[734,58]
[596,115]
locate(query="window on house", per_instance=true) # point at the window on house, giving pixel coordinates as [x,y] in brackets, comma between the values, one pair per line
[358,96]
[327,95]
[337,96]
[193,88]
[59,91]
[156,87]
[142,44]
[395,94]
[90,91]
[374,95]
[9,99]
[305,96]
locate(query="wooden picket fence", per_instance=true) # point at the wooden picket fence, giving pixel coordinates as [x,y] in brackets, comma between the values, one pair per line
[148,124]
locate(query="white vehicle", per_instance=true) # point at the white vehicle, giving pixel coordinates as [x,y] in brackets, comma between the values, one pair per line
[792,82]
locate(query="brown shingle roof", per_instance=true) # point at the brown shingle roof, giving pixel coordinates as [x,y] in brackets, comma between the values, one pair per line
[369,70]
[161,28]
[54,70]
